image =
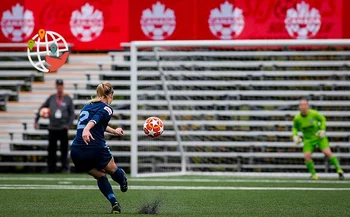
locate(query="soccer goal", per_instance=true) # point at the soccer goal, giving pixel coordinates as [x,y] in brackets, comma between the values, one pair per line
[228,106]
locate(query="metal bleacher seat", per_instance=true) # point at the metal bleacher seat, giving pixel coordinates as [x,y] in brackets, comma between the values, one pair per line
[14,85]
[23,75]
[250,54]
[13,54]
[15,64]
[238,113]
[11,88]
[4,95]
[231,64]
[236,74]
[286,93]
[170,133]
[276,103]
[231,83]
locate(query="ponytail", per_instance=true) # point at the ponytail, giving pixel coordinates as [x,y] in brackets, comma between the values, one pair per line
[102,91]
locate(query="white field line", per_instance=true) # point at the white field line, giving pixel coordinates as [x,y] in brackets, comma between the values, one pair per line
[197,180]
[93,187]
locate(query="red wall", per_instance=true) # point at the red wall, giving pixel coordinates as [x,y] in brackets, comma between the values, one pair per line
[122,20]
[55,15]
[346,19]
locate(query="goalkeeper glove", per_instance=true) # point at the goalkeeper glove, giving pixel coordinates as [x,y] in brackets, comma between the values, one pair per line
[297,140]
[321,134]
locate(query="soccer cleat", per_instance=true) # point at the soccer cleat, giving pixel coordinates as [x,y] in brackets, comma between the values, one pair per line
[116,209]
[314,177]
[341,174]
[124,186]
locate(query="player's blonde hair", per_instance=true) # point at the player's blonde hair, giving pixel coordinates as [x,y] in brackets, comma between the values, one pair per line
[102,91]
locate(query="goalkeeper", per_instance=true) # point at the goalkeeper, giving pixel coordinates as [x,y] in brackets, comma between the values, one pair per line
[313,126]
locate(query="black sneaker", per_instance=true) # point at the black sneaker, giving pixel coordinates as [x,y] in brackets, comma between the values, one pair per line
[124,186]
[341,174]
[116,209]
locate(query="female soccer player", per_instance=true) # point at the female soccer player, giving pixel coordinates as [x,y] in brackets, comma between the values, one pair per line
[89,150]
[313,126]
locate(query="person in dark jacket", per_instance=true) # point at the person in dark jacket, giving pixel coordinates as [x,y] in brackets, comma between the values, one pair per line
[61,117]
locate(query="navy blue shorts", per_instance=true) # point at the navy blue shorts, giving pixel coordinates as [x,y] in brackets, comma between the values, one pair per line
[87,158]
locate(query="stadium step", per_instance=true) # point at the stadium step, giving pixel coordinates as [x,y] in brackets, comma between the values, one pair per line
[38,96]
[88,58]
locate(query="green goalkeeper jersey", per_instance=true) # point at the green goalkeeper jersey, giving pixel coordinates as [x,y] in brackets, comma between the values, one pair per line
[309,124]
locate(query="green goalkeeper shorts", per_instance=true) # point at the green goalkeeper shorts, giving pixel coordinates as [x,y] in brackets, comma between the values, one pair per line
[310,145]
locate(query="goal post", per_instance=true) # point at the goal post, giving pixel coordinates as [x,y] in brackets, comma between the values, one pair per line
[170,107]
[225,113]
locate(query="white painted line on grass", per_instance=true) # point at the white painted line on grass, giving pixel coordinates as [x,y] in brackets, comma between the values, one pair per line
[65,183]
[4,178]
[33,178]
[241,181]
[92,187]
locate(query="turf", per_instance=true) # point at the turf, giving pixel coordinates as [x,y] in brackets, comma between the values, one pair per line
[90,202]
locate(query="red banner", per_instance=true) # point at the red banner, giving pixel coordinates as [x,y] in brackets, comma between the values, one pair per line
[104,24]
[92,25]
[346,18]
[237,19]
[269,19]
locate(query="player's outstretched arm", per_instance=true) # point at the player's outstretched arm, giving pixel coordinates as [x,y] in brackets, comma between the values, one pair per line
[322,120]
[297,140]
[86,132]
[118,131]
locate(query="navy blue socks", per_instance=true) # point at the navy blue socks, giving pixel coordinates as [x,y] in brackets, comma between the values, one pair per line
[118,176]
[106,189]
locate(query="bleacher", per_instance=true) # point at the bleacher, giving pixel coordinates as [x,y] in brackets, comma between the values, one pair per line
[16,73]
[232,99]
[234,108]
[17,78]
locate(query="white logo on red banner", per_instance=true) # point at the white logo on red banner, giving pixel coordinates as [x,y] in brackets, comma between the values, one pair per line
[158,23]
[302,22]
[226,22]
[87,24]
[18,24]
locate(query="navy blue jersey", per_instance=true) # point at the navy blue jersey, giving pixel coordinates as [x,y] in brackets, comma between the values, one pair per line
[99,113]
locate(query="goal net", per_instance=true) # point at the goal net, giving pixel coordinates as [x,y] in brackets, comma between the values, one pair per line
[228,106]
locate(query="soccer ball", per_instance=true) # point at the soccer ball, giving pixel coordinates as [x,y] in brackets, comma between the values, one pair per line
[153,127]
[44,112]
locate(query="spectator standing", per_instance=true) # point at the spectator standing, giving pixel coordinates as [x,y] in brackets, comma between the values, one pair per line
[61,117]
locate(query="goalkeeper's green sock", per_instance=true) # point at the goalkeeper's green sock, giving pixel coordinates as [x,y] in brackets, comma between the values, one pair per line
[334,161]
[311,167]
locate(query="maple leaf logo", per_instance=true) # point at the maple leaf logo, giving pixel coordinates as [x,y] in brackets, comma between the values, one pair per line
[17,24]
[87,24]
[158,23]
[226,22]
[302,22]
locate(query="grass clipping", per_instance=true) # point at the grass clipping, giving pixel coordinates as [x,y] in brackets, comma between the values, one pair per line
[151,207]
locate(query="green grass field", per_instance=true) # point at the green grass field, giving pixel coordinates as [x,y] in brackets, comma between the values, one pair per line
[77,195]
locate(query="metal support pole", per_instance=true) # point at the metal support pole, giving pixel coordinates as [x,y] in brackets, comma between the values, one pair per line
[172,115]
[133,116]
